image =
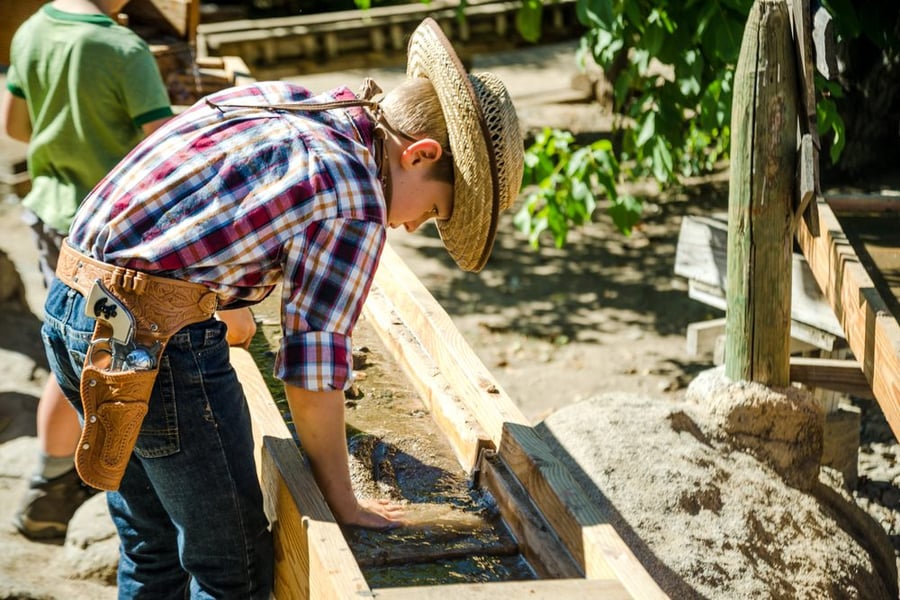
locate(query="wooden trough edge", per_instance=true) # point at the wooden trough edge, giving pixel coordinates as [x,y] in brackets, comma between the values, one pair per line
[584,531]
[313,559]
[871,331]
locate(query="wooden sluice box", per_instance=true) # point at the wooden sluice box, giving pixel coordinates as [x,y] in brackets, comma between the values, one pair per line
[505,519]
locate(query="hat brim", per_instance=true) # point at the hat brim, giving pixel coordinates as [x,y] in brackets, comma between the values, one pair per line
[469,233]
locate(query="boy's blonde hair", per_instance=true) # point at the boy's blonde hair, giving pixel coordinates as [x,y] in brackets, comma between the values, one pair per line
[413,108]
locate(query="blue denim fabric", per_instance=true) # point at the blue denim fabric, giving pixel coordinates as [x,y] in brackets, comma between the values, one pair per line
[189,511]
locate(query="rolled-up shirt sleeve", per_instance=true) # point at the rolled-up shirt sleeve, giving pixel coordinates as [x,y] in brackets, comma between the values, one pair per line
[329,269]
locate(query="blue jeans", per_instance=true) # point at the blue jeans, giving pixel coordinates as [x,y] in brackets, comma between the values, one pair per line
[189,510]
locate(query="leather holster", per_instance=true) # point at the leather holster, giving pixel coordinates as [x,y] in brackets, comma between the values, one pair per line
[115,399]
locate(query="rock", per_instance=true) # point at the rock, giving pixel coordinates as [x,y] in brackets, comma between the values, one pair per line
[92,544]
[783,427]
[12,290]
[32,570]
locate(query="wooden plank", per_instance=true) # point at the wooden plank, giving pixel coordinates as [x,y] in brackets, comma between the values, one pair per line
[701,256]
[236,70]
[808,305]
[836,374]
[801,21]
[800,332]
[548,589]
[312,558]
[374,16]
[701,336]
[815,337]
[167,17]
[808,171]
[702,250]
[870,329]
[337,35]
[863,203]
[807,179]
[538,543]
[473,382]
[874,237]
[463,433]
[581,525]
[760,199]
[14,14]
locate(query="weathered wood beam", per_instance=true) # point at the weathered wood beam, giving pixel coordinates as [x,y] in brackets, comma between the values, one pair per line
[703,337]
[871,330]
[701,257]
[180,17]
[579,522]
[538,543]
[760,199]
[836,374]
[863,203]
[464,434]
[472,381]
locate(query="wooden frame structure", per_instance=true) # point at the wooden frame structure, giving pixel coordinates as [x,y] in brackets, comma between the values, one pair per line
[578,550]
[317,42]
[758,280]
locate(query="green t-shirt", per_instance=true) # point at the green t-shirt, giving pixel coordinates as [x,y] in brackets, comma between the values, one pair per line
[90,85]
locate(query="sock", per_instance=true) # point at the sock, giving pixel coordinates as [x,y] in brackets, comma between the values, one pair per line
[51,467]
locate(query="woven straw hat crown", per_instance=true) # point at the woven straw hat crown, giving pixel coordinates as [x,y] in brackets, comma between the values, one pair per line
[485,141]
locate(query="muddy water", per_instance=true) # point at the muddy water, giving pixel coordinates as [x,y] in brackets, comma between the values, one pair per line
[396,451]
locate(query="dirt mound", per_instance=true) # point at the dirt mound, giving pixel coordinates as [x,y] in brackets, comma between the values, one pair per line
[706,519]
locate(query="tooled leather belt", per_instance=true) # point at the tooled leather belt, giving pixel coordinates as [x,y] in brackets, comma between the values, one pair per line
[161,305]
[136,314]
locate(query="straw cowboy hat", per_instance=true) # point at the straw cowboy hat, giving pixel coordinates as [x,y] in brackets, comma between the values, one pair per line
[485,142]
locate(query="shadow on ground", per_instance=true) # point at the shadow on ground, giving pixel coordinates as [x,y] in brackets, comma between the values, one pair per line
[551,293]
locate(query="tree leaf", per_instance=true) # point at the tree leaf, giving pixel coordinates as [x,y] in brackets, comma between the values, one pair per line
[529,18]
[596,13]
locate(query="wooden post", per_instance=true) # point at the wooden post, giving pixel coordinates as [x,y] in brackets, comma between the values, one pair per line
[764,147]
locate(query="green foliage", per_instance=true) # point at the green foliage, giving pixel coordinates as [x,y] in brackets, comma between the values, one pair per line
[827,116]
[672,67]
[529,19]
[560,182]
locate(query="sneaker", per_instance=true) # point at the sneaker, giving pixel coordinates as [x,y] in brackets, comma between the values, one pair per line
[49,504]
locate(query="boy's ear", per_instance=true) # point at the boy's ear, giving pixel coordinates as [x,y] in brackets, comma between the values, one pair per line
[421,152]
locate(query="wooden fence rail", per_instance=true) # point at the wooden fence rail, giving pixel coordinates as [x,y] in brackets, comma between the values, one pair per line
[357,37]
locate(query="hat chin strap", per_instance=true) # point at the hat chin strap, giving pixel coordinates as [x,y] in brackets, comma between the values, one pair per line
[381,159]
[382,125]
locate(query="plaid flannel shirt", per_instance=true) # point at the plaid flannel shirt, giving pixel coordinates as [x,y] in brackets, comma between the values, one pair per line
[243,199]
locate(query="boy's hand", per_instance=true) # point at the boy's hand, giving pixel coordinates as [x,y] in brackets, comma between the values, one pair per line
[241,326]
[377,514]
[319,421]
